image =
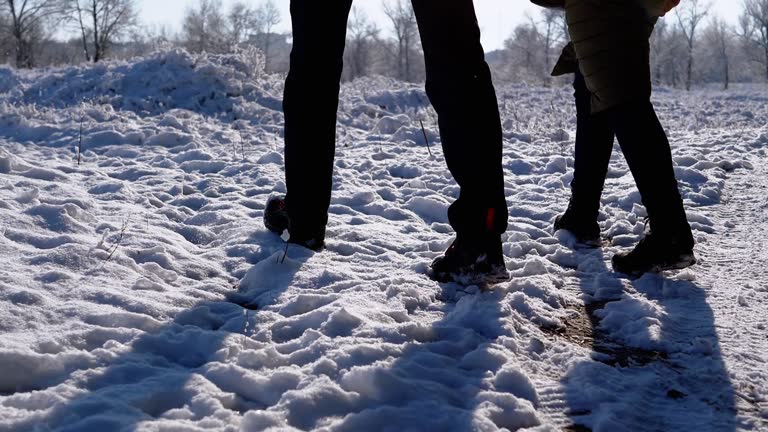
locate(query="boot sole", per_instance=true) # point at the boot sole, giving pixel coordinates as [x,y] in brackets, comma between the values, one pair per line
[685,261]
[585,243]
[591,244]
[491,278]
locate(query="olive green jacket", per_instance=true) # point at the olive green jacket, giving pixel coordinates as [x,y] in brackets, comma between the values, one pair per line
[610,47]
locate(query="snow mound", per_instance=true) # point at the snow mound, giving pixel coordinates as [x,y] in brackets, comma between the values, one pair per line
[205,83]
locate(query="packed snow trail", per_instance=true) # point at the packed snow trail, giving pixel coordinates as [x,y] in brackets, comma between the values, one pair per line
[739,283]
[139,289]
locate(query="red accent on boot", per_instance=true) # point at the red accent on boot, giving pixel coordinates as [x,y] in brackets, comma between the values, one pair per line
[490,218]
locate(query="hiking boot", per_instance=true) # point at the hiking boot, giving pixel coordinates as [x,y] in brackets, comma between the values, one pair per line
[656,253]
[586,230]
[276,219]
[470,262]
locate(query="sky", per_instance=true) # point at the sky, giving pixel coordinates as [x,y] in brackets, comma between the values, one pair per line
[496,17]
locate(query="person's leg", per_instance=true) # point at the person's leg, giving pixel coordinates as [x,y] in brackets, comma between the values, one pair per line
[594,144]
[646,148]
[310,103]
[669,245]
[460,89]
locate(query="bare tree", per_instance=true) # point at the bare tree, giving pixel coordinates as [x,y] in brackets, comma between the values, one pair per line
[689,15]
[669,53]
[204,28]
[58,53]
[403,20]
[719,40]
[658,50]
[26,20]
[682,52]
[6,45]
[267,18]
[754,29]
[362,35]
[241,20]
[521,53]
[146,39]
[550,27]
[101,23]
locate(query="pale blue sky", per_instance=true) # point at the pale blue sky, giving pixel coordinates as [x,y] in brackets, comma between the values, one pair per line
[496,16]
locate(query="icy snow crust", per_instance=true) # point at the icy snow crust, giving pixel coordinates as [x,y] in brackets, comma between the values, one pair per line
[139,290]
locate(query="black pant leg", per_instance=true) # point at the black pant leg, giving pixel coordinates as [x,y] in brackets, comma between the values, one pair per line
[594,144]
[310,103]
[646,148]
[460,89]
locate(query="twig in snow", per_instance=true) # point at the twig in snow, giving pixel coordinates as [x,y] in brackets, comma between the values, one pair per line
[234,148]
[80,140]
[242,143]
[117,244]
[285,254]
[426,140]
[286,235]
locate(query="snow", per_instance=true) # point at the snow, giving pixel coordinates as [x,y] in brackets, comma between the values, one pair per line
[139,289]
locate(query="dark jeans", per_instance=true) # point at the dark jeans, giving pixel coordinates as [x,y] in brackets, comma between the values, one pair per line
[458,85]
[645,146]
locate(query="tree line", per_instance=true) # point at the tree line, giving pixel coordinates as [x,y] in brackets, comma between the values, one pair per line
[689,46]
[39,33]
[26,27]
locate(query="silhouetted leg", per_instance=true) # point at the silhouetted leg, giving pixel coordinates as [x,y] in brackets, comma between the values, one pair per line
[460,88]
[594,144]
[310,103]
[646,148]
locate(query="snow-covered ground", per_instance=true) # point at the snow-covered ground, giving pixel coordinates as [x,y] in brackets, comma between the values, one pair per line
[139,289]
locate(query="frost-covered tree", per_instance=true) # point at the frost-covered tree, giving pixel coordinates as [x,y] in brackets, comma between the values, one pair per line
[523,56]
[406,52]
[658,50]
[267,18]
[753,30]
[531,50]
[208,27]
[241,23]
[550,27]
[690,14]
[718,40]
[6,45]
[145,39]
[25,23]
[360,51]
[204,28]
[102,23]
[669,49]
